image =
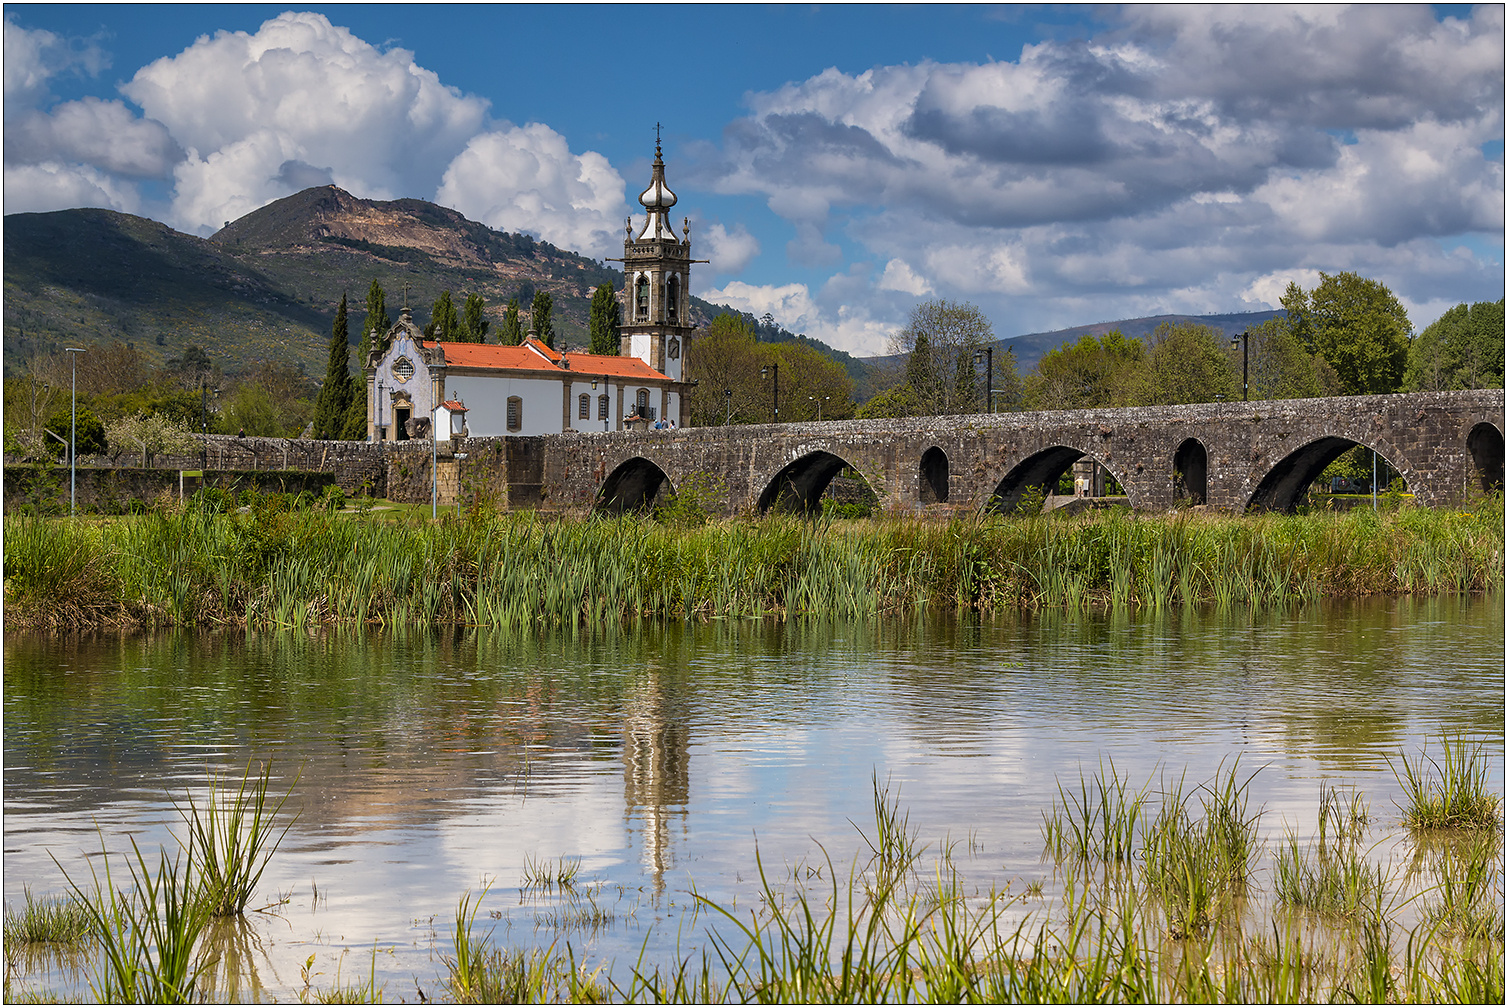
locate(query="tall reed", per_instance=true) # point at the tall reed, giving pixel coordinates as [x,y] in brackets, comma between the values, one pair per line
[233,835]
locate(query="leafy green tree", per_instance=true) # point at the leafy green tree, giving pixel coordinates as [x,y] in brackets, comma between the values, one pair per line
[897,401]
[474,322]
[726,357]
[1095,371]
[1278,367]
[335,395]
[1462,349]
[150,434]
[1187,364]
[951,332]
[605,320]
[89,433]
[444,323]
[1357,326]
[540,320]
[512,333]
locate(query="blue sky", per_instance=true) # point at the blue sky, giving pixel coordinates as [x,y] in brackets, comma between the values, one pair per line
[1055,165]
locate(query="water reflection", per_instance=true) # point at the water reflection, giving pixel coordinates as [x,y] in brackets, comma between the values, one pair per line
[429,763]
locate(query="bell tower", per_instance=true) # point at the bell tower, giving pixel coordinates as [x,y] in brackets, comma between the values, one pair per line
[657,273]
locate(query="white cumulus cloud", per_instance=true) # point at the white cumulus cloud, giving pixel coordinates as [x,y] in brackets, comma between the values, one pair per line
[525,178]
[728,251]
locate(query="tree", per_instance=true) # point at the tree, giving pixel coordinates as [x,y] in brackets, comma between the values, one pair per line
[951,332]
[474,322]
[444,323]
[376,325]
[150,434]
[539,318]
[604,320]
[1357,326]
[335,395]
[726,357]
[1462,349]
[512,333]
[1187,364]
[1278,367]
[1095,371]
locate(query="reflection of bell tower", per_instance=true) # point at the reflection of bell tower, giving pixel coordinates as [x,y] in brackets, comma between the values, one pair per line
[657,279]
[656,772]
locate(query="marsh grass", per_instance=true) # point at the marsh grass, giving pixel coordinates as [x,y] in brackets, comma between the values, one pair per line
[1097,821]
[148,934]
[299,569]
[233,835]
[56,921]
[1447,793]
[546,874]
[1334,878]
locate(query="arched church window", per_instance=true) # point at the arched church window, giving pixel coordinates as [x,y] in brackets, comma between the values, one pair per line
[602,407]
[672,298]
[584,407]
[641,298]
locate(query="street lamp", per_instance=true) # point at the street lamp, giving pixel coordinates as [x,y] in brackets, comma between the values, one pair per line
[204,413]
[728,398]
[989,377]
[434,463]
[1244,336]
[764,372]
[73,436]
[819,403]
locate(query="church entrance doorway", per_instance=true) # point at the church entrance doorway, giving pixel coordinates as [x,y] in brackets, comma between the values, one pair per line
[400,423]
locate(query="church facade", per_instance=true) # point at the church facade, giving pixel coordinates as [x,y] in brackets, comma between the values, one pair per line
[486,390]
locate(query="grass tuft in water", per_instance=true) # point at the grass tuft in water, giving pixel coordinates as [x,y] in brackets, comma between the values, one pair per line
[56,920]
[1098,821]
[1448,793]
[232,836]
[545,874]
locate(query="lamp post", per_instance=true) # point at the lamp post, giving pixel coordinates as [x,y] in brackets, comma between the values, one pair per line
[764,372]
[204,421]
[73,435]
[728,414]
[434,463]
[989,377]
[819,403]
[378,434]
[1244,336]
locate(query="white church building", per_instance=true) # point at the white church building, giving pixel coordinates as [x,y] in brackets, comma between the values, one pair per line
[483,389]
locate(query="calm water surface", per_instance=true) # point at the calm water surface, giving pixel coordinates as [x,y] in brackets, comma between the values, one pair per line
[432,763]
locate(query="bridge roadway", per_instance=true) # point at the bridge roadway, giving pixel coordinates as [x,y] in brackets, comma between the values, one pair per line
[1235,456]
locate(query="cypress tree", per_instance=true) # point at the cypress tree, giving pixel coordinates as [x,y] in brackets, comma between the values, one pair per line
[539,317]
[377,323]
[335,394]
[604,321]
[513,330]
[474,321]
[443,320]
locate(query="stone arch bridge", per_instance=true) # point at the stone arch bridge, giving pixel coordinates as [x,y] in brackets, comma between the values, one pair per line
[1233,456]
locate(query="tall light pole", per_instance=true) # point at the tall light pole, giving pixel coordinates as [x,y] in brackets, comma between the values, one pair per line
[1245,337]
[989,377]
[764,372]
[728,398]
[434,463]
[73,436]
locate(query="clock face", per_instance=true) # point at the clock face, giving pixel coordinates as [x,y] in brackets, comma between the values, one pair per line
[673,351]
[403,369]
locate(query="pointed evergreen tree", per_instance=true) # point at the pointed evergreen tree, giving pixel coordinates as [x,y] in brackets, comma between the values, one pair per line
[335,394]
[539,318]
[474,322]
[604,321]
[373,330]
[443,320]
[513,330]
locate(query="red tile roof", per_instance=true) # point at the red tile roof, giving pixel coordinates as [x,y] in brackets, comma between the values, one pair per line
[538,357]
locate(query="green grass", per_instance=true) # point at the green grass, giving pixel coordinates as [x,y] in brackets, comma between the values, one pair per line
[59,921]
[1449,792]
[232,836]
[273,567]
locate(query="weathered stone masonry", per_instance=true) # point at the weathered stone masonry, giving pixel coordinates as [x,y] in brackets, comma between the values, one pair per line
[1232,456]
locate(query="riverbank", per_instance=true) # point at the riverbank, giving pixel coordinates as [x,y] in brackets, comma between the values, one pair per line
[271,567]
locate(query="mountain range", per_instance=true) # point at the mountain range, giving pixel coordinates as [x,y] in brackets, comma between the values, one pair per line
[265,287]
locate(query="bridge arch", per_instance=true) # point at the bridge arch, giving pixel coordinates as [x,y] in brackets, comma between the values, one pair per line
[799,485]
[1485,443]
[1192,463]
[1042,471]
[632,486]
[932,476]
[1286,483]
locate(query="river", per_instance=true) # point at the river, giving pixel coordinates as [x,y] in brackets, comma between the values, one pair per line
[426,764]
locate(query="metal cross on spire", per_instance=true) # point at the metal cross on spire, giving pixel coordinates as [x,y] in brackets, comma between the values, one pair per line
[657,138]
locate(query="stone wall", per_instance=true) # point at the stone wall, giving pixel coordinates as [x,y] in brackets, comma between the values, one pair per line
[110,490]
